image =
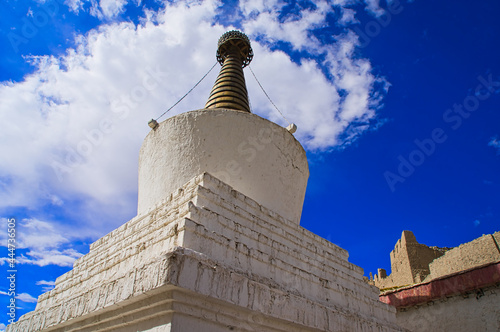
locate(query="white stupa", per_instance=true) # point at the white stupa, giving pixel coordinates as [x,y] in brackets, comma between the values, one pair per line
[216,245]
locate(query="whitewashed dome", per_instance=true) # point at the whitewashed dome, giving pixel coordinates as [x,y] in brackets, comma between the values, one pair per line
[253,155]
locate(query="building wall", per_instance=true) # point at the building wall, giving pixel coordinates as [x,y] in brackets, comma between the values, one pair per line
[475,311]
[409,263]
[481,251]
[400,260]
[460,293]
[413,262]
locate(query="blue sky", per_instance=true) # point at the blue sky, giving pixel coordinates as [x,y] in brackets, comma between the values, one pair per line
[397,105]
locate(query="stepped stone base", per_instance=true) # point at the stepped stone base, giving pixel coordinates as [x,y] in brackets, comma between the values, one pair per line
[211,259]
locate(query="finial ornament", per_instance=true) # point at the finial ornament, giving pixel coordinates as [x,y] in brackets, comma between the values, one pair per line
[229,91]
[234,41]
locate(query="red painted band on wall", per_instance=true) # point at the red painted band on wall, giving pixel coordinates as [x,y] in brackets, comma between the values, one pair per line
[459,283]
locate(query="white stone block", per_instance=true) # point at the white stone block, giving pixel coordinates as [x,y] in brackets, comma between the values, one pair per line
[211,259]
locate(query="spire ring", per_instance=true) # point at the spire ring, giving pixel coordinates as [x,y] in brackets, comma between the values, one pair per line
[234,42]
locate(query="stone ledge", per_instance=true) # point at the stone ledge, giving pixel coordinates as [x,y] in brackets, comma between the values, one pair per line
[257,235]
[216,199]
[154,228]
[215,227]
[251,208]
[122,304]
[264,295]
[305,276]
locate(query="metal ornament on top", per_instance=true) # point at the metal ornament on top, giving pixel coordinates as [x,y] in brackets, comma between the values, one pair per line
[229,91]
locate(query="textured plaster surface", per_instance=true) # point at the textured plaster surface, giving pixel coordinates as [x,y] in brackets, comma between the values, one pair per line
[253,155]
[474,311]
[481,251]
[208,258]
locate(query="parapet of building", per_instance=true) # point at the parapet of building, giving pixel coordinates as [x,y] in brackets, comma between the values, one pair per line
[460,293]
[215,253]
[481,251]
[409,263]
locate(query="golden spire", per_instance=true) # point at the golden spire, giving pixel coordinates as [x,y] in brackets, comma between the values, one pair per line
[229,91]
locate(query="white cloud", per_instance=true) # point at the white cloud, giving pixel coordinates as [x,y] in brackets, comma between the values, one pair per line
[75,5]
[295,29]
[65,257]
[46,285]
[34,234]
[46,244]
[302,91]
[25,297]
[72,129]
[111,8]
[495,143]
[348,16]
[373,6]
[102,9]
